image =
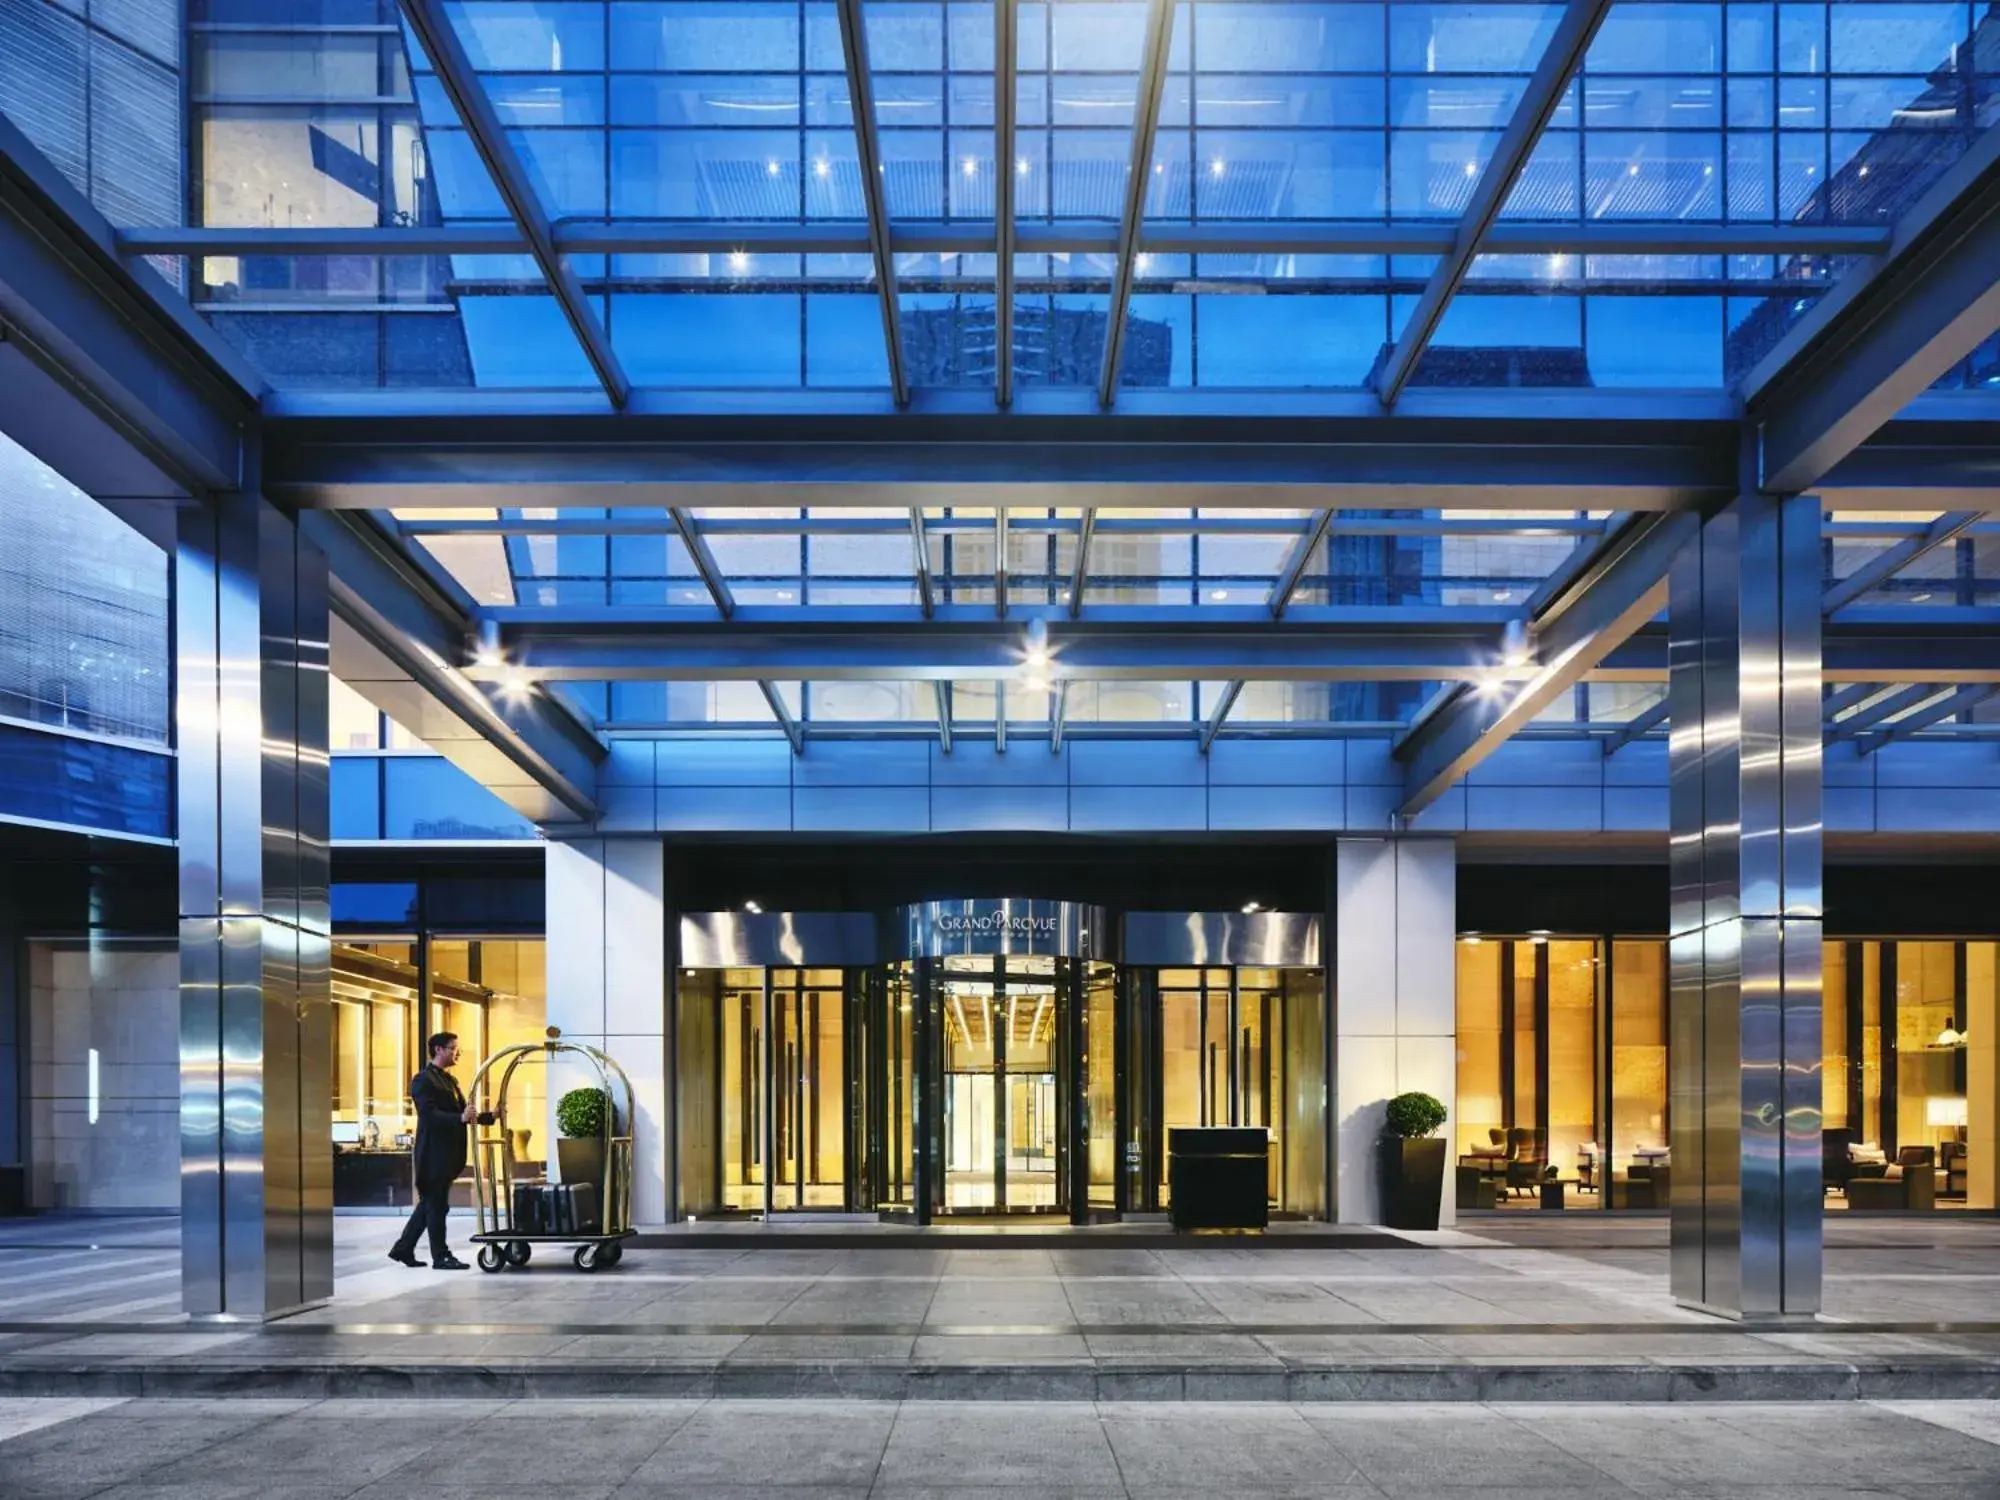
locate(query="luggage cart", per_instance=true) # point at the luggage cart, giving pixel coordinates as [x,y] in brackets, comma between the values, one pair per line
[501,1243]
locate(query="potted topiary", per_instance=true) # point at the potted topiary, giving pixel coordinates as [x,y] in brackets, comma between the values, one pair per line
[583,1127]
[1412,1162]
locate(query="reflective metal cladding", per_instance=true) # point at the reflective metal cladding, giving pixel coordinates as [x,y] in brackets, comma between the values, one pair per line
[1265,939]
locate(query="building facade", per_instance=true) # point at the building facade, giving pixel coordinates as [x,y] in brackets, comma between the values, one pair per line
[962,585]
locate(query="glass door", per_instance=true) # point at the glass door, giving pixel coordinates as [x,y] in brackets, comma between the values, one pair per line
[1002,1109]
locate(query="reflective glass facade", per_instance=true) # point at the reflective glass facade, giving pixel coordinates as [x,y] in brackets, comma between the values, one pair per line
[734,118]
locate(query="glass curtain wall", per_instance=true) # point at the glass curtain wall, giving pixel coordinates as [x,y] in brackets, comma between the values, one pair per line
[1238,1046]
[767,1082]
[1562,1070]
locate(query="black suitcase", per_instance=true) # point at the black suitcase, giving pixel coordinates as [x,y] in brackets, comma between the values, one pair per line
[574,1207]
[531,1208]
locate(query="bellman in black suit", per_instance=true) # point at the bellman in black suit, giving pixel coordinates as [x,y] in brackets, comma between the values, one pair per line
[442,1116]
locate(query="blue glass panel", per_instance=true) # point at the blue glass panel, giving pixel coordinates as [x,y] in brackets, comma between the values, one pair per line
[430,798]
[1258,37]
[354,797]
[1157,319]
[1801,38]
[1653,103]
[1271,174]
[1652,175]
[1644,38]
[1896,38]
[1802,103]
[754,36]
[705,99]
[1288,342]
[1293,102]
[1752,39]
[1469,38]
[705,174]
[1750,104]
[1667,342]
[949,338]
[906,36]
[523,342]
[844,342]
[709,339]
[54,778]
[546,36]
[375,906]
[567,169]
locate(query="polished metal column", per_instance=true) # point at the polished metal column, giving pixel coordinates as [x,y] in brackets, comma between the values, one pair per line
[1744,1042]
[250,620]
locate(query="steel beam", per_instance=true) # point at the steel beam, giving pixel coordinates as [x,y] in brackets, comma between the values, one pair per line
[1539,98]
[924,237]
[967,642]
[1079,577]
[1949,706]
[1006,64]
[395,641]
[704,561]
[874,190]
[1640,724]
[1163,525]
[1000,562]
[105,373]
[468,97]
[941,694]
[1000,717]
[1623,589]
[1886,564]
[1886,331]
[1296,562]
[1138,182]
[1463,452]
[794,731]
[1058,718]
[1230,693]
[921,549]
[1887,707]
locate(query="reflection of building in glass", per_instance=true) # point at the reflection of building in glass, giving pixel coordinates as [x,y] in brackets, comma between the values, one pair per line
[955,345]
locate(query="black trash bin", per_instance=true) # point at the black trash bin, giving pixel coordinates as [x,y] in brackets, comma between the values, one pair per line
[1218,1177]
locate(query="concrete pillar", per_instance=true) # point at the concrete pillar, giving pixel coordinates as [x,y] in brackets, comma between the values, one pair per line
[1744,946]
[607,985]
[1395,1002]
[250,719]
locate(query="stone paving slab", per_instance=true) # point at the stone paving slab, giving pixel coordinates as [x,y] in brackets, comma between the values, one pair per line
[261,1449]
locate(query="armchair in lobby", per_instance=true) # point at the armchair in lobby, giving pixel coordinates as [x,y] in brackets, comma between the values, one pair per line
[1908,1183]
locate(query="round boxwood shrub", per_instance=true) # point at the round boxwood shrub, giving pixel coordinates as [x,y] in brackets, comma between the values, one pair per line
[583,1113]
[1411,1116]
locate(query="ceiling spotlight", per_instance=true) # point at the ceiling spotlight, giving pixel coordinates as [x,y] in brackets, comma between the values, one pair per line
[1472,940]
[1472,169]
[820,167]
[1515,644]
[1021,165]
[969,167]
[1250,908]
[1218,594]
[738,260]
[770,169]
[1037,652]
[753,908]
[515,684]
[1215,167]
[1923,598]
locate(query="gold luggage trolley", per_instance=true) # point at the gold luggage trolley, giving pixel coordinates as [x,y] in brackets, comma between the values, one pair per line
[500,1243]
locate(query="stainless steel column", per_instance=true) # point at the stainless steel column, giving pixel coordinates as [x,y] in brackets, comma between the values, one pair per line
[1744,619]
[250,620]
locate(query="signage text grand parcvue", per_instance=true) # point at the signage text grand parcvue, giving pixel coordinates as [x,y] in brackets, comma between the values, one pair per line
[983,924]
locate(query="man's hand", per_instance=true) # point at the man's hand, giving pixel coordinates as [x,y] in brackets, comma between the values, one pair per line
[469,1113]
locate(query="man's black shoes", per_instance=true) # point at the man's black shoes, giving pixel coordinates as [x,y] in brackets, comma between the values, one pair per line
[406,1258]
[450,1263]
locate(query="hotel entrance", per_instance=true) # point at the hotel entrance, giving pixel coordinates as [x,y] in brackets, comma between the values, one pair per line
[988,1059]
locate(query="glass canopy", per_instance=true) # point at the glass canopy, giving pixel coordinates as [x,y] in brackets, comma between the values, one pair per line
[1670,196]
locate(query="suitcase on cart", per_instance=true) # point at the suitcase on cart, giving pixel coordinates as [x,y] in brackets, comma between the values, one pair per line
[556,1208]
[573,1207]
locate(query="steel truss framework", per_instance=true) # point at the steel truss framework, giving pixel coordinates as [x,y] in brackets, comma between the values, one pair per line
[156,407]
